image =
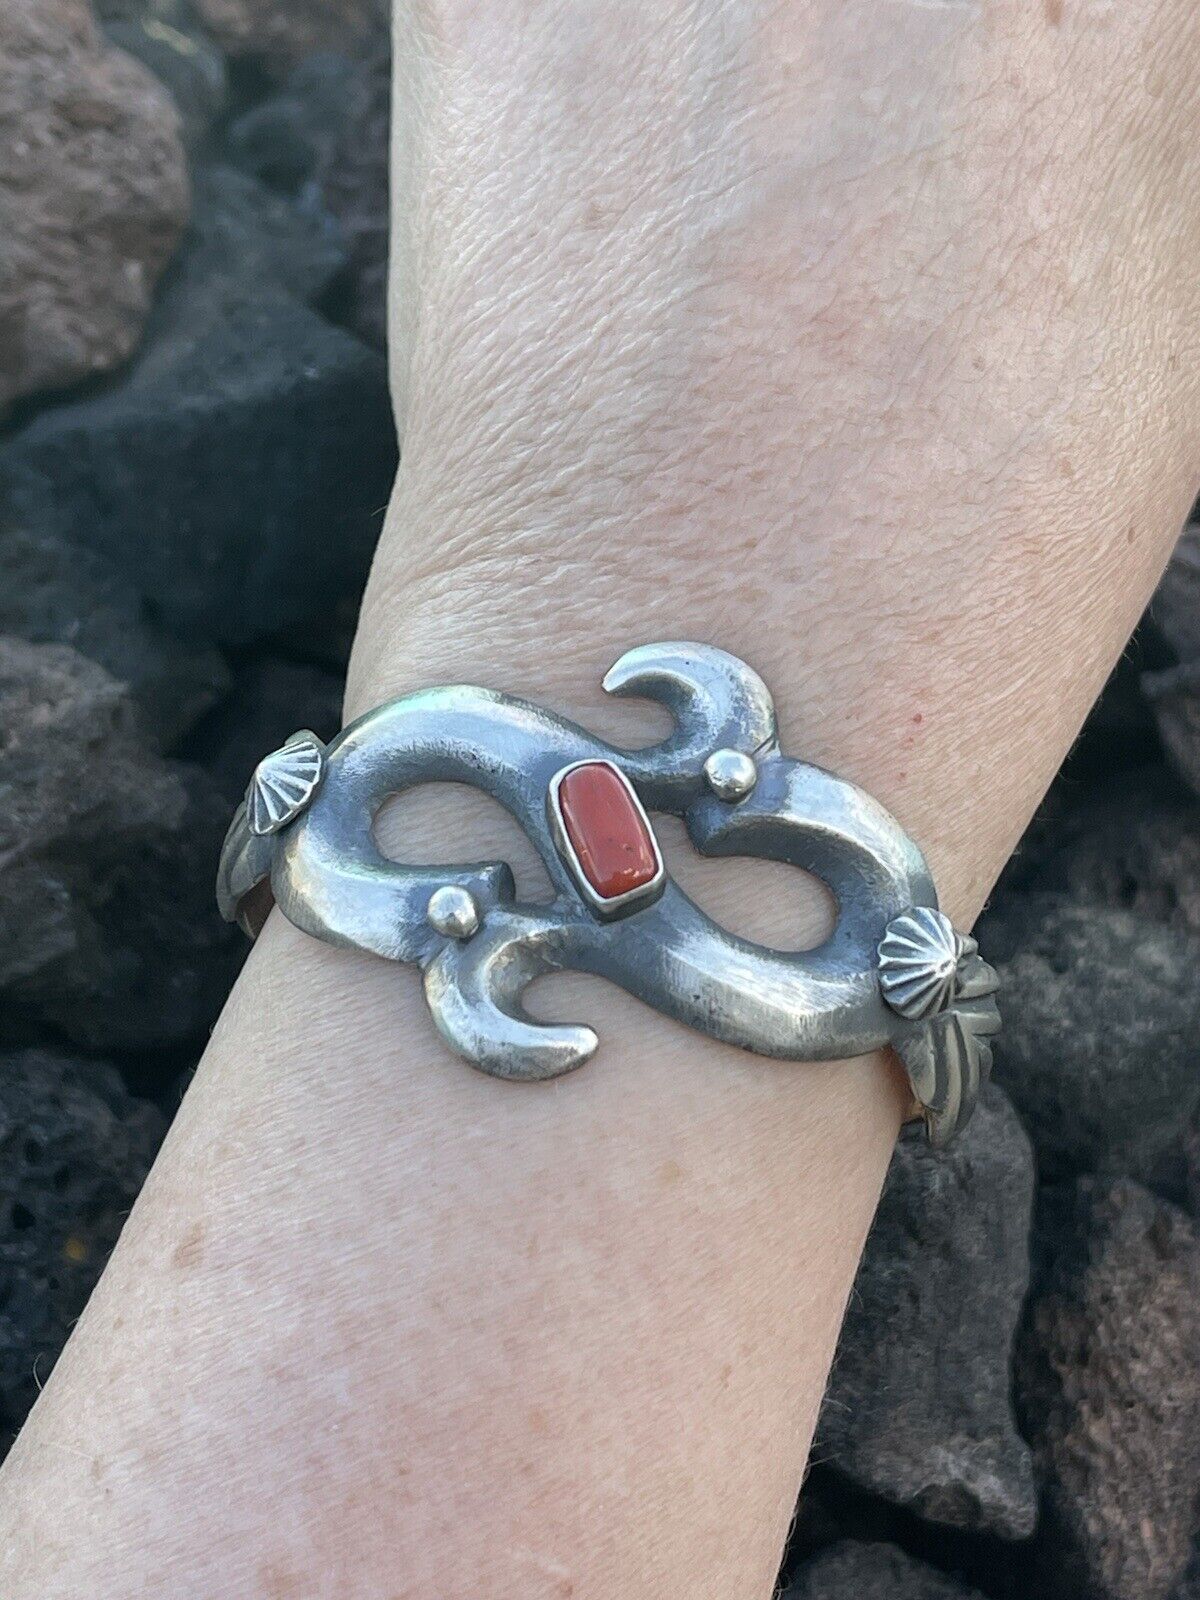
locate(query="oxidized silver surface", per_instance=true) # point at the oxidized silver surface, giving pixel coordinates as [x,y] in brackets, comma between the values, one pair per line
[893,972]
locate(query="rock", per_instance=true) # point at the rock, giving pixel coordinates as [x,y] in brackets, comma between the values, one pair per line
[236,477]
[284,139]
[59,593]
[282,32]
[75,1148]
[1175,608]
[107,927]
[1109,1391]
[1174,696]
[93,197]
[1137,849]
[1174,693]
[1191,1164]
[331,638]
[1119,731]
[1101,1028]
[165,37]
[246,237]
[918,1408]
[271,699]
[1189,1589]
[851,1571]
[354,182]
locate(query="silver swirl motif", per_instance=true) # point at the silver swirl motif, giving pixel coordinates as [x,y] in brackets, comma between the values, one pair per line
[479,947]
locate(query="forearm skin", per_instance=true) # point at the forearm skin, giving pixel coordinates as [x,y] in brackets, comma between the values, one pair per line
[856,339]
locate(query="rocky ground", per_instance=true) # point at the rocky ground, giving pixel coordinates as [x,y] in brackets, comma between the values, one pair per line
[195,448]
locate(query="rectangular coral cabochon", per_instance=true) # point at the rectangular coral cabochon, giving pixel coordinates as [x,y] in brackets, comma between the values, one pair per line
[612,841]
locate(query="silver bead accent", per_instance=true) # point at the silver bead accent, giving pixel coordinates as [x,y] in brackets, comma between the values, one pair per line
[284,783]
[918,963]
[452,912]
[730,774]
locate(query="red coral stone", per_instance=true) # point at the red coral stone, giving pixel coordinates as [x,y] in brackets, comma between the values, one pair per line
[608,833]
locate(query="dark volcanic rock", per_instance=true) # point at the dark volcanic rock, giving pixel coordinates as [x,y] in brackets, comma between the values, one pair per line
[1175,608]
[272,699]
[244,236]
[1101,1036]
[354,182]
[1109,1391]
[918,1407]
[283,139]
[107,928]
[282,32]
[1191,1165]
[93,196]
[1137,849]
[1174,696]
[1119,731]
[1189,1589]
[852,1571]
[237,475]
[165,37]
[74,1150]
[55,592]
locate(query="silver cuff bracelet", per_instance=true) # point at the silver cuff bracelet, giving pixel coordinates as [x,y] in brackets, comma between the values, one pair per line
[893,972]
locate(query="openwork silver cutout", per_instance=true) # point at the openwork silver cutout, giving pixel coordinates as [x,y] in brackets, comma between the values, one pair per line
[894,971]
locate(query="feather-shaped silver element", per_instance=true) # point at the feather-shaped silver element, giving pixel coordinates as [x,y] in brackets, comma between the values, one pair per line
[918,963]
[284,783]
[949,1056]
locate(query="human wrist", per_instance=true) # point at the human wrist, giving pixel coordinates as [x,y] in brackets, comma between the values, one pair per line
[682,474]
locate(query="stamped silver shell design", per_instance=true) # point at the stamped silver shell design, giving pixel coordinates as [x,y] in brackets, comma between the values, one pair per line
[918,963]
[284,782]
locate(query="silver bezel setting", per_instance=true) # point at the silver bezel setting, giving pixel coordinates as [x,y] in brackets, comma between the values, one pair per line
[608,910]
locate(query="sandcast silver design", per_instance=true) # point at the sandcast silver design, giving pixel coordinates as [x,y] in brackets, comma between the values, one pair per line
[893,972]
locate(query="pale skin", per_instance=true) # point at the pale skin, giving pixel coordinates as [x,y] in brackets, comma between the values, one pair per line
[857,338]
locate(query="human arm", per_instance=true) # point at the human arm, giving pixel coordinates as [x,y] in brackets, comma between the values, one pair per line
[862,348]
